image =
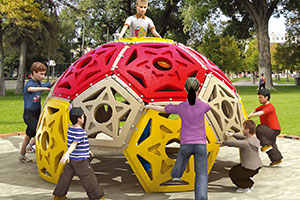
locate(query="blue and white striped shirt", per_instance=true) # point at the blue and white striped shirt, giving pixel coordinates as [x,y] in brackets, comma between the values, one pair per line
[81,152]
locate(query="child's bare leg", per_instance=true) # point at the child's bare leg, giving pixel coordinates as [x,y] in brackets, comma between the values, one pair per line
[32,141]
[24,144]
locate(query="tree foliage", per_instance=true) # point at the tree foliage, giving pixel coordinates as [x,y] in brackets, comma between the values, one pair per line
[210,46]
[61,30]
[222,50]
[25,15]
[231,55]
[251,57]
[287,55]
[245,16]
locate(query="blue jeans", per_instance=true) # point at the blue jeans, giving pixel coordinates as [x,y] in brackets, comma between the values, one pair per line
[200,156]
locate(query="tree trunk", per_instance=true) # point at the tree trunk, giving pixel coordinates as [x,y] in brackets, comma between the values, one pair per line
[264,61]
[48,66]
[278,72]
[260,13]
[2,81]
[22,64]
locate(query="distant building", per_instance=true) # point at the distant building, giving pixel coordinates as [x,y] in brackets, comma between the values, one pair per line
[277,38]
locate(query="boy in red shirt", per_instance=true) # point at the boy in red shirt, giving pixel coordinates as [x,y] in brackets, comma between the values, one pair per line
[269,128]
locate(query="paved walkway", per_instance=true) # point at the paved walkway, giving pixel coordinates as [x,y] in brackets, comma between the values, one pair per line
[21,181]
[249,83]
[10,84]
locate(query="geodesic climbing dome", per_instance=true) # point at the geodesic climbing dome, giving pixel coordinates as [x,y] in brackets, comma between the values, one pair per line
[112,83]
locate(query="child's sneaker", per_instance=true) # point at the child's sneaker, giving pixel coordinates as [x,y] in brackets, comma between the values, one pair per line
[24,159]
[272,164]
[242,190]
[30,149]
[176,180]
[59,198]
[266,148]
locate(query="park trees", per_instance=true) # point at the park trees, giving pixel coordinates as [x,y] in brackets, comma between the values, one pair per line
[275,65]
[251,56]
[231,55]
[221,49]
[244,15]
[166,14]
[2,82]
[210,45]
[23,17]
[287,55]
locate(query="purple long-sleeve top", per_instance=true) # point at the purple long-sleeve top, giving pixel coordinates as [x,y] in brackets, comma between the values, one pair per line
[192,121]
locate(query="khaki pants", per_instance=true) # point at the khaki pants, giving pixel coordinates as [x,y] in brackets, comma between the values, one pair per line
[86,174]
[267,136]
[241,176]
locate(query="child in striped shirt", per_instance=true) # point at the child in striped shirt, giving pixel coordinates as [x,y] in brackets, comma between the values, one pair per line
[77,156]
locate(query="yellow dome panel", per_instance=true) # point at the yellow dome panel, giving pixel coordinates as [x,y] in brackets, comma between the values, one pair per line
[51,139]
[151,152]
[243,110]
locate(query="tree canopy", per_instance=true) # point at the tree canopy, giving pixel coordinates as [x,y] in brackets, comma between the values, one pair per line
[64,30]
[245,16]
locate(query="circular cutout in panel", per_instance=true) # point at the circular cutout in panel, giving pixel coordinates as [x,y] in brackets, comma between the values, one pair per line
[103,113]
[227,109]
[162,64]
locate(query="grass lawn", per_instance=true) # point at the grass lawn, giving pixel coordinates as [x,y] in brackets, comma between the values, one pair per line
[283,81]
[286,101]
[239,79]
[12,107]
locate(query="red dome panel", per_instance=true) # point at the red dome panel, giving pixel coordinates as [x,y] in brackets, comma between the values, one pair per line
[87,70]
[211,67]
[158,71]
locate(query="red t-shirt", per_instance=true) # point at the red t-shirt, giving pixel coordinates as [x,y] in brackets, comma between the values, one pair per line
[269,118]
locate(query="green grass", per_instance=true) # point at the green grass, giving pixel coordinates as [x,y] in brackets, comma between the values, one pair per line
[286,100]
[283,81]
[239,79]
[12,107]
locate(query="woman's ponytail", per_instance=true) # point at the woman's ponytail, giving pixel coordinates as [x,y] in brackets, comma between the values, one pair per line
[191,86]
[192,96]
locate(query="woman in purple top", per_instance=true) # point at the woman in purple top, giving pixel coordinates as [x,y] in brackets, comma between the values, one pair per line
[192,137]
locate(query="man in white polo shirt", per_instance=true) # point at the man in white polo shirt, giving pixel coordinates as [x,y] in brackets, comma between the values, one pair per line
[139,23]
